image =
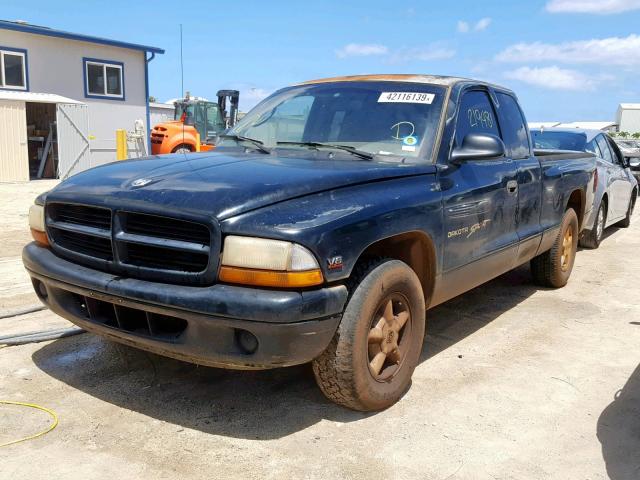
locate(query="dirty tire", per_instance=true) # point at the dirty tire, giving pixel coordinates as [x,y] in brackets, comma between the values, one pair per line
[343,370]
[548,268]
[592,238]
[626,222]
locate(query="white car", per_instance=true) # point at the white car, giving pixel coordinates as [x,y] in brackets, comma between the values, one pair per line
[616,187]
[629,148]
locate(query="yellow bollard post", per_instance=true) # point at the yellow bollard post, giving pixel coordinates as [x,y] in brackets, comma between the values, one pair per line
[121,144]
[197,142]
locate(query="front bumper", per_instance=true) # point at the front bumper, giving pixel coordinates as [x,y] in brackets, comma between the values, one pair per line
[196,324]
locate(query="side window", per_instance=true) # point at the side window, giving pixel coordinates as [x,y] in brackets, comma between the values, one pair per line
[513,126]
[476,115]
[13,69]
[104,79]
[214,120]
[604,148]
[592,147]
[617,154]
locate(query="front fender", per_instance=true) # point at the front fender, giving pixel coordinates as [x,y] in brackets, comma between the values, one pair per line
[345,221]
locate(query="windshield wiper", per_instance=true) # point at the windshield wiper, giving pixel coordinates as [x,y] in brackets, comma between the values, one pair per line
[256,143]
[346,148]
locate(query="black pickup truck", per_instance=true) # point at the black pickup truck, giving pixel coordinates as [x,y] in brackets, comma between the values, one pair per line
[321,229]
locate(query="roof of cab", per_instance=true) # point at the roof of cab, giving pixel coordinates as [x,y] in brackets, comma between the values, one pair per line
[387,77]
[443,80]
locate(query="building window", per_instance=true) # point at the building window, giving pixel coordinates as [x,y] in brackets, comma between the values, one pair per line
[13,69]
[103,79]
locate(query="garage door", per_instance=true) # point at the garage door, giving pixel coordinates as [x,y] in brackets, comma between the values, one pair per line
[14,156]
[73,139]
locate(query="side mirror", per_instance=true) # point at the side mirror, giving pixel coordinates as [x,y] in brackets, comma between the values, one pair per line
[479,146]
[634,163]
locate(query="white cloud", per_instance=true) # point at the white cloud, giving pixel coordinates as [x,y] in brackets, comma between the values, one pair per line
[433,51]
[479,26]
[604,51]
[255,94]
[361,50]
[554,78]
[250,95]
[428,53]
[601,7]
[482,24]
[463,27]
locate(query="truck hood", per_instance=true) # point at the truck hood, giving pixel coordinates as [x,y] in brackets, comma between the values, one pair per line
[221,184]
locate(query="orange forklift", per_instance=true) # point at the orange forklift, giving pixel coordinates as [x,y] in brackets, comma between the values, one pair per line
[196,122]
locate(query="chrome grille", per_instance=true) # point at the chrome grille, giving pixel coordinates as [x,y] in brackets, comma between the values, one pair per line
[142,245]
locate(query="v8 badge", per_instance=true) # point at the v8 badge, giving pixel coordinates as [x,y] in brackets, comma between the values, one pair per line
[334,263]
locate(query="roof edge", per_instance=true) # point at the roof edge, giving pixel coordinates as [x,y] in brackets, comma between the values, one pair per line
[49,32]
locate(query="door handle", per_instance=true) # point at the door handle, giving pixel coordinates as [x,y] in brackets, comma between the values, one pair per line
[512,186]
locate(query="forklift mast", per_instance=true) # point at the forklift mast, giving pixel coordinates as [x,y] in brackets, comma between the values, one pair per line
[234,98]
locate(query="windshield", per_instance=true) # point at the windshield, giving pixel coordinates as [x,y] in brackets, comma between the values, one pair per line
[183,108]
[559,140]
[379,118]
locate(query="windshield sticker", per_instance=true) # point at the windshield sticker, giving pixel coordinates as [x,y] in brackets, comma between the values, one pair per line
[408,148]
[402,130]
[410,140]
[406,97]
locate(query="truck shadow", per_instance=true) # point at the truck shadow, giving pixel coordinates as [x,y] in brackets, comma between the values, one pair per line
[619,431]
[244,404]
[458,318]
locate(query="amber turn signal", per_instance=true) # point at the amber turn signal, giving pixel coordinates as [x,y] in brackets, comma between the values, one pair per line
[40,237]
[269,278]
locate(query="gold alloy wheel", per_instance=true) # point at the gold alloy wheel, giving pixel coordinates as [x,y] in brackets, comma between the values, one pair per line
[567,248]
[389,337]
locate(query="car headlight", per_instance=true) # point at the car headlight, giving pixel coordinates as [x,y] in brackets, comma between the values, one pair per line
[36,224]
[268,263]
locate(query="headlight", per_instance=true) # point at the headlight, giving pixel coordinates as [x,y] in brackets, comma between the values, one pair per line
[36,223]
[268,263]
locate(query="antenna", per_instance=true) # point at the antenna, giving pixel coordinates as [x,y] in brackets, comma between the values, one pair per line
[181,65]
[184,113]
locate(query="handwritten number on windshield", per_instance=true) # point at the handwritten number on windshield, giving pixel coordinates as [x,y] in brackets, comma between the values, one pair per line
[480,118]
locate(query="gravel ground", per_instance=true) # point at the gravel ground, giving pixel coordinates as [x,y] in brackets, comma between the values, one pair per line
[515,382]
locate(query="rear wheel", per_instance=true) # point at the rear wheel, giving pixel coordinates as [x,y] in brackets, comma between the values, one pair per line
[626,222]
[369,363]
[553,267]
[592,238]
[182,149]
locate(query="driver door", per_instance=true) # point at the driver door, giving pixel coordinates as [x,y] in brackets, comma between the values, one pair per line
[480,200]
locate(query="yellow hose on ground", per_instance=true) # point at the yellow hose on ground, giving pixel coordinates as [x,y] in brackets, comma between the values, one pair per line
[37,407]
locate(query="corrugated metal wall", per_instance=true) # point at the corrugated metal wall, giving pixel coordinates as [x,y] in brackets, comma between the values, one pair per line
[14,156]
[73,139]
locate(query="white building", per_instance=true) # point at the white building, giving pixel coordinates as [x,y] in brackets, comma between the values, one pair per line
[62,97]
[160,113]
[628,117]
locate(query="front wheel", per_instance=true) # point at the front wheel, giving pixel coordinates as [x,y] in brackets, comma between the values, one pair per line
[182,149]
[553,267]
[369,362]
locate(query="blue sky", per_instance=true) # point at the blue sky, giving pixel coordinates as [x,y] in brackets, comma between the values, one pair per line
[567,60]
